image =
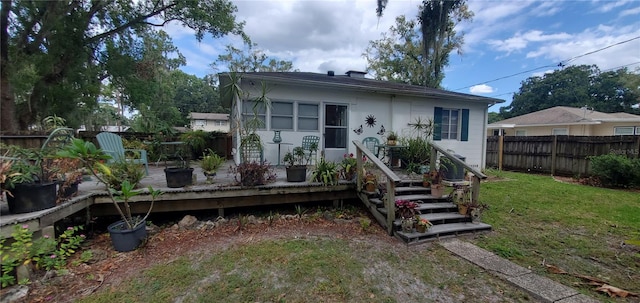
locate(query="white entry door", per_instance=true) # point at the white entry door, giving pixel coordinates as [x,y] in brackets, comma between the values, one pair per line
[336,127]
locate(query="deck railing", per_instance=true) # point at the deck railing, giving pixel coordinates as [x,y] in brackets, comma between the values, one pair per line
[393,179]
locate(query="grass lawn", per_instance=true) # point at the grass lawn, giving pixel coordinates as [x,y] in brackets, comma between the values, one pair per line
[536,221]
[581,229]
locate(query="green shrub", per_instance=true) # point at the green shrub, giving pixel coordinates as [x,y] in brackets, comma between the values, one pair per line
[616,170]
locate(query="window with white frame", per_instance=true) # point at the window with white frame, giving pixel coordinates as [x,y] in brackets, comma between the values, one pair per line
[308,116]
[521,132]
[560,132]
[251,108]
[450,123]
[623,130]
[200,122]
[637,130]
[282,115]
[220,122]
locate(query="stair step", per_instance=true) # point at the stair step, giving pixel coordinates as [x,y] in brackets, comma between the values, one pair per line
[438,218]
[429,207]
[442,230]
[411,189]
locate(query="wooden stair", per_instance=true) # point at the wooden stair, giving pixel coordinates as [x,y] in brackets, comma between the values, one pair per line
[441,212]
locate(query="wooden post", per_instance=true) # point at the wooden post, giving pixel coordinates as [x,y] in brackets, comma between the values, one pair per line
[390,205]
[553,155]
[359,169]
[500,150]
[475,189]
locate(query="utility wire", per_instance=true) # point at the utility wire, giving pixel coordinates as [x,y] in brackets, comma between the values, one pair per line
[561,64]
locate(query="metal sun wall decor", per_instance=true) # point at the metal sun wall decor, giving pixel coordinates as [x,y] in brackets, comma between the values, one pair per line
[370,120]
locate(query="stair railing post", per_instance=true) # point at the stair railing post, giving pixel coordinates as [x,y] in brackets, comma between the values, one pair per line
[390,204]
[359,169]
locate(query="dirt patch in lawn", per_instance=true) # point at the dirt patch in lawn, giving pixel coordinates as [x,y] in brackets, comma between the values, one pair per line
[452,280]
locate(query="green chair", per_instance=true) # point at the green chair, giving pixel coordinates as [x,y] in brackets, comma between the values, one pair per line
[372,144]
[111,144]
[308,142]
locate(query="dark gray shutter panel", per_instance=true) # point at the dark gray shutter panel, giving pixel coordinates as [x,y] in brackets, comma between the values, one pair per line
[464,136]
[437,121]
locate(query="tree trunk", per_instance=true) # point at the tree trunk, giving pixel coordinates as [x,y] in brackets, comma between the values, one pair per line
[7,101]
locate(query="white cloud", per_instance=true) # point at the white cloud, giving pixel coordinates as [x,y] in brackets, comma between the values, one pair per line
[606,6]
[630,12]
[481,89]
[522,41]
[541,74]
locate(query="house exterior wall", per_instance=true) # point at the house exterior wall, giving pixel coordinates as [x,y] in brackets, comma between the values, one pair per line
[603,129]
[210,125]
[392,112]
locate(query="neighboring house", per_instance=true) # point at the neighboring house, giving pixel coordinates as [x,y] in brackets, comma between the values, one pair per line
[210,122]
[337,108]
[563,120]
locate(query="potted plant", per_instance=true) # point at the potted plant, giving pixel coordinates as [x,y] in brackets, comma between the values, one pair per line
[69,176]
[407,210]
[370,182]
[437,188]
[296,166]
[210,164]
[423,225]
[253,173]
[348,167]
[326,172]
[130,231]
[181,173]
[30,180]
[196,140]
[426,180]
[392,138]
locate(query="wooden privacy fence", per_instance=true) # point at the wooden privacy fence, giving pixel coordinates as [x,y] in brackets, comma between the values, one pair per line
[556,155]
[219,143]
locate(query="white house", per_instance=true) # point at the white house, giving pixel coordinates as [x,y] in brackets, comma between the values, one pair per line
[209,122]
[343,108]
[564,120]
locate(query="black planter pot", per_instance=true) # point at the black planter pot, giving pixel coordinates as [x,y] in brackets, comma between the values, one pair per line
[297,173]
[29,197]
[178,177]
[69,191]
[124,239]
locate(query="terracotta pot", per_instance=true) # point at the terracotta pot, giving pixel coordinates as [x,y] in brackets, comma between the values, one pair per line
[421,228]
[437,190]
[462,209]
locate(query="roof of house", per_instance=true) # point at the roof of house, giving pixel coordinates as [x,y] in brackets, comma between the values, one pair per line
[564,115]
[209,116]
[354,83]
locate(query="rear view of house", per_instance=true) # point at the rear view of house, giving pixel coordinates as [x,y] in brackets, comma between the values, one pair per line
[342,108]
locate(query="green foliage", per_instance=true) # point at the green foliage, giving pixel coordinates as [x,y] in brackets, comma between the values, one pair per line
[110,39]
[348,167]
[325,172]
[121,171]
[251,59]
[296,157]
[416,52]
[211,161]
[577,86]
[616,170]
[44,253]
[196,140]
[417,151]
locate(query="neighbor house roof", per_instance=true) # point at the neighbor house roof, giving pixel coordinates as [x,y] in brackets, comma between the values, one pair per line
[355,82]
[208,116]
[564,115]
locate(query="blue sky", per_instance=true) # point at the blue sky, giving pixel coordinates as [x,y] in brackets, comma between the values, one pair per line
[504,38]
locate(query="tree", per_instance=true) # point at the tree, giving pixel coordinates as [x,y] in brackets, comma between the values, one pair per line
[52,51]
[576,86]
[398,55]
[494,117]
[437,19]
[251,59]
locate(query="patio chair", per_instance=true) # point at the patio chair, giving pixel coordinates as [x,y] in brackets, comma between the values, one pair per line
[372,144]
[111,144]
[307,142]
[58,138]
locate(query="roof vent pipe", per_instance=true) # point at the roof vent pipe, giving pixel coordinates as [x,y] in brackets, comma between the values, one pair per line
[330,73]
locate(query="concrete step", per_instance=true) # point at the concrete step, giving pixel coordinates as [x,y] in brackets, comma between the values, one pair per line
[432,207]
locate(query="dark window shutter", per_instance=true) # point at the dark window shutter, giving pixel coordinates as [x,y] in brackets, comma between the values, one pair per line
[465,125]
[437,121]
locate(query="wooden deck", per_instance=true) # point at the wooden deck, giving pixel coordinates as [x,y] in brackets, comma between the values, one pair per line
[220,195]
